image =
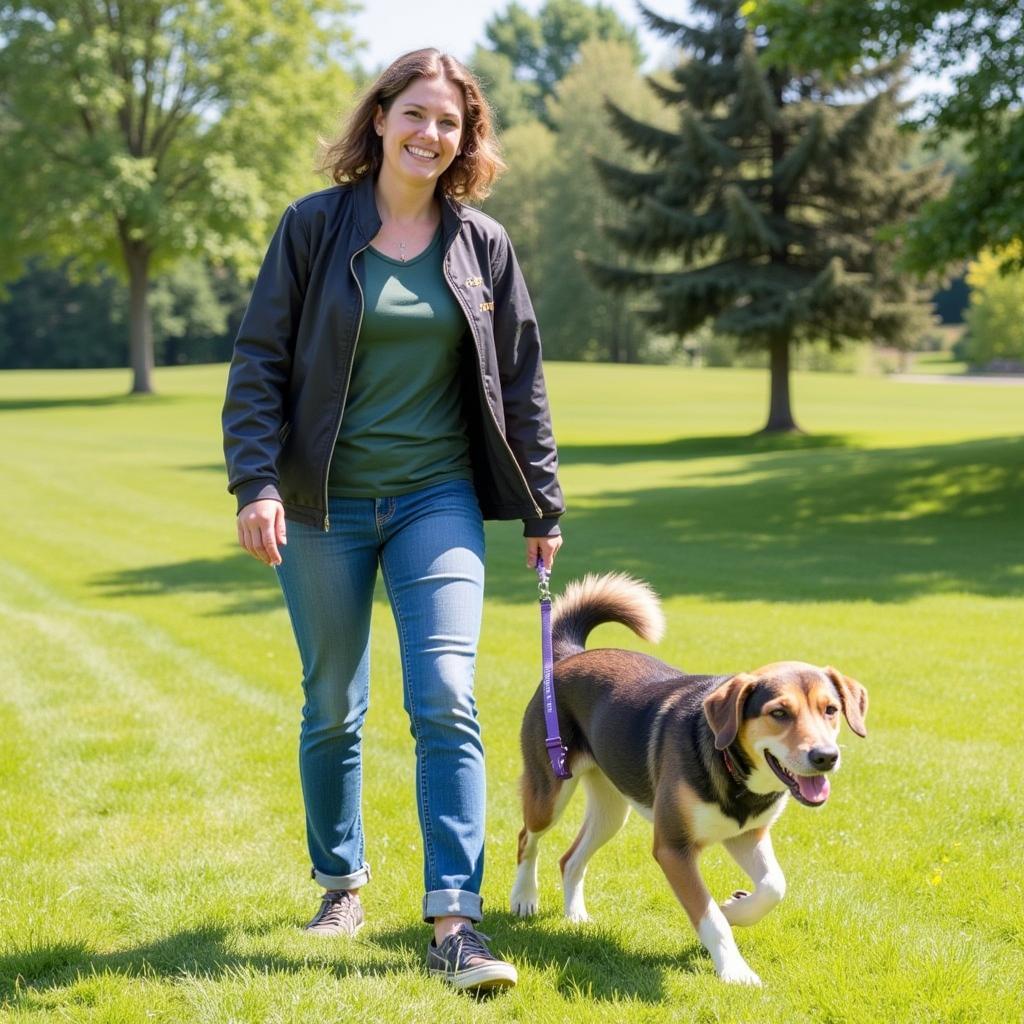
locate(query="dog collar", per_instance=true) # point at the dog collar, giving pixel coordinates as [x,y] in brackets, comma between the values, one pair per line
[730,767]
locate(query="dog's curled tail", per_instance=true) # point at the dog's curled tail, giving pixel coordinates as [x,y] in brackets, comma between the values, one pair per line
[613,597]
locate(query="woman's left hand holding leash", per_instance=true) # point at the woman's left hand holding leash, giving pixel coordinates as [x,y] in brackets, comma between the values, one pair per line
[543,547]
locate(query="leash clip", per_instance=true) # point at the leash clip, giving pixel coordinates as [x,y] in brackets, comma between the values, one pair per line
[558,754]
[556,748]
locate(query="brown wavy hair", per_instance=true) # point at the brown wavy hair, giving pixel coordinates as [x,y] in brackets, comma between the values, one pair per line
[359,151]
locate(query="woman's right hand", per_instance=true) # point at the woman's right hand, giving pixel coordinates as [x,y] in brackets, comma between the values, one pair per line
[261,529]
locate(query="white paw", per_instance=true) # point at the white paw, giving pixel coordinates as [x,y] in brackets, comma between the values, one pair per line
[739,894]
[741,908]
[578,915]
[525,904]
[739,974]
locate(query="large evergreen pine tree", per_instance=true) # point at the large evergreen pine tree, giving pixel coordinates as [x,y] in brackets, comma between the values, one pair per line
[771,194]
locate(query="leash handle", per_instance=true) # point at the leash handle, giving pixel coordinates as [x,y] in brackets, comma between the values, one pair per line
[555,746]
[543,580]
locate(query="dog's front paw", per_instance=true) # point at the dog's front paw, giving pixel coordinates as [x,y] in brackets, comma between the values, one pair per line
[738,908]
[739,973]
[578,915]
[524,904]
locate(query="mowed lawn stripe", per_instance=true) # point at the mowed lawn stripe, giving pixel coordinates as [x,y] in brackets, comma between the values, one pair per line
[142,767]
[154,863]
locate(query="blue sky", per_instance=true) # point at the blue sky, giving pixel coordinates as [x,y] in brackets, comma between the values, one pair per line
[388,28]
[391,27]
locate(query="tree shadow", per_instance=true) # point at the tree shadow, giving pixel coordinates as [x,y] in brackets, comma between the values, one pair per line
[202,950]
[685,448]
[802,524]
[582,959]
[73,402]
[787,520]
[252,586]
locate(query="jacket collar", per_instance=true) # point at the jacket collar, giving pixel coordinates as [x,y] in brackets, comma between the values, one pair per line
[368,219]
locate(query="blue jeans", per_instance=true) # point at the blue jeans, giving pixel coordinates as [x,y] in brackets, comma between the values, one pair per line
[430,549]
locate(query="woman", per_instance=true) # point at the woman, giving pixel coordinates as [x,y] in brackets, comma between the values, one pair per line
[385,395]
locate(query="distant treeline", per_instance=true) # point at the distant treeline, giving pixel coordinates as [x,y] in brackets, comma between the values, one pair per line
[547,76]
[50,321]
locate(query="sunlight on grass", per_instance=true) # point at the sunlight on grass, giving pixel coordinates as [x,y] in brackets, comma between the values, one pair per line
[151,839]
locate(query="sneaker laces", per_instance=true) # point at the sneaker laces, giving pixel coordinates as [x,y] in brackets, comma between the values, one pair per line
[335,907]
[469,941]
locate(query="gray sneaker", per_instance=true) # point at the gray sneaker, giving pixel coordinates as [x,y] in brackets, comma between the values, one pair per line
[340,913]
[463,960]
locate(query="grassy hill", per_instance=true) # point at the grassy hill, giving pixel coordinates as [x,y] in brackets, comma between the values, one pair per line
[151,840]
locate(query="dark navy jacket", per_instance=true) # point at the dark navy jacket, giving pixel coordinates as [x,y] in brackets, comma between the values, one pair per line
[292,362]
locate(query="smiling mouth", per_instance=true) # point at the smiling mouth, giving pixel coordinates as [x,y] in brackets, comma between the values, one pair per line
[421,154]
[810,790]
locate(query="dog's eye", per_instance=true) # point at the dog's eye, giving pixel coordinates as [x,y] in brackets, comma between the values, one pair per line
[831,710]
[779,714]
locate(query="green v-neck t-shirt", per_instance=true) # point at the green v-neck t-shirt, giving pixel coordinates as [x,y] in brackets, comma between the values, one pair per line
[403,426]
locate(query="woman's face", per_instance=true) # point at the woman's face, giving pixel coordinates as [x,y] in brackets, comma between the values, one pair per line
[421,131]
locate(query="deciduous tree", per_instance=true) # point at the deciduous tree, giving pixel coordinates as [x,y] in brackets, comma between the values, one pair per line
[138,132]
[978,47]
[995,317]
[528,55]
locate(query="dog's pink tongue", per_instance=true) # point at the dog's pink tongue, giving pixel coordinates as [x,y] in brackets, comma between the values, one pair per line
[814,788]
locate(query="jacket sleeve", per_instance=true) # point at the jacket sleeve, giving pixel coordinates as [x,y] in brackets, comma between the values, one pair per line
[523,391]
[261,365]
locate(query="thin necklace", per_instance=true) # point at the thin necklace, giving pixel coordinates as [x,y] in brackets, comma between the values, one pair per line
[401,251]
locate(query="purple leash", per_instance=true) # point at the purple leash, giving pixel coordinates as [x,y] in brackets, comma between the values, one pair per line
[556,748]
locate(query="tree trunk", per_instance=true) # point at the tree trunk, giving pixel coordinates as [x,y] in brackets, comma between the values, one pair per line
[614,341]
[780,414]
[141,322]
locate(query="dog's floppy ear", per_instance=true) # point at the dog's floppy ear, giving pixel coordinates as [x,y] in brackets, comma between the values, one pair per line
[724,707]
[853,697]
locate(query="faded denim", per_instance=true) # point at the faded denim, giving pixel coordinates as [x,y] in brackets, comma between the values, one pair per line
[429,546]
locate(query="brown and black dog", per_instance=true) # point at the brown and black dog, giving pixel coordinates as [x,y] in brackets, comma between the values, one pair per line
[706,758]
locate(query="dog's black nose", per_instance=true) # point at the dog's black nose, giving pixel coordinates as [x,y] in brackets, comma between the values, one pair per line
[823,758]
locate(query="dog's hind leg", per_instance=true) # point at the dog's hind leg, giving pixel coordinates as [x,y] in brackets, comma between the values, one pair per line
[605,814]
[542,807]
[753,852]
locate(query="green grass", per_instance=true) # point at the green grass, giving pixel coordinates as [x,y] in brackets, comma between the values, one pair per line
[152,862]
[940,363]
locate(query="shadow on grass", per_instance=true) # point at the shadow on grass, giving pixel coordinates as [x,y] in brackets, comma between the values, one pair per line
[77,402]
[776,519]
[699,448]
[588,962]
[591,961]
[201,951]
[252,586]
[808,524]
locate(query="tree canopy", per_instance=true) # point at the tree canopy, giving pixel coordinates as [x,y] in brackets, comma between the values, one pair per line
[995,318]
[137,133]
[978,47]
[530,54]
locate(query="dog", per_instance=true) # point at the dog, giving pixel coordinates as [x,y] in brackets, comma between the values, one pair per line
[706,758]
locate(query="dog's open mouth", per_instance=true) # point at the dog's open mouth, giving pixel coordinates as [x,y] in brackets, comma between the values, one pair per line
[811,790]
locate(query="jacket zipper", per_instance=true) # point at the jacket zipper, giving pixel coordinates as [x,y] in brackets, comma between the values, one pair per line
[348,380]
[480,381]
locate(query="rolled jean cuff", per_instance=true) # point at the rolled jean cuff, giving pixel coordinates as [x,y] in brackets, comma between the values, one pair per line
[354,881]
[453,903]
